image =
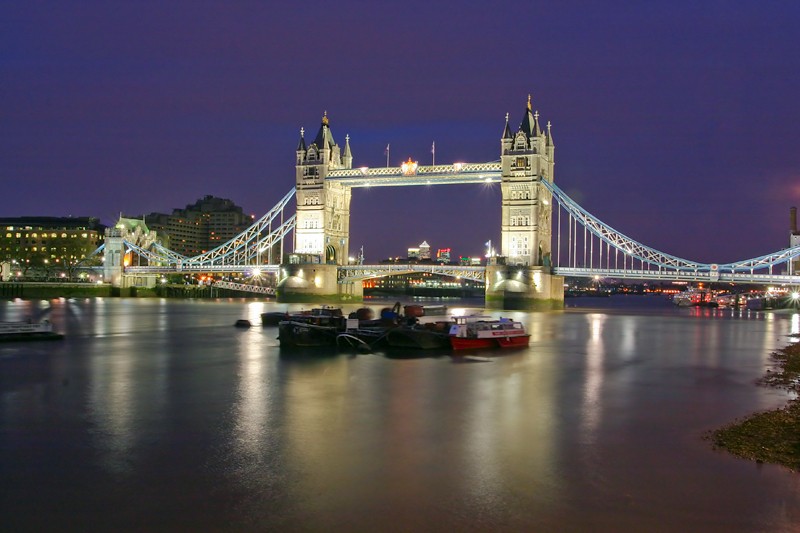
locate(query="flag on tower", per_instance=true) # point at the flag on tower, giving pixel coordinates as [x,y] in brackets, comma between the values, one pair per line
[386,152]
[433,153]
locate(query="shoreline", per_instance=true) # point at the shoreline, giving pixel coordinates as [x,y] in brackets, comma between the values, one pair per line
[769,436]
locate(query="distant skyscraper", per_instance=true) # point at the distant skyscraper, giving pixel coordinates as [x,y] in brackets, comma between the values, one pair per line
[424,250]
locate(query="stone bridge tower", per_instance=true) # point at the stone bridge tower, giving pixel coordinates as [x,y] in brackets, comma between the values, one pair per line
[323,207]
[527,158]
[522,277]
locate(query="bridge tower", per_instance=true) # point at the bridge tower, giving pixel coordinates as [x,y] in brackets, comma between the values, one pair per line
[527,158]
[322,231]
[323,207]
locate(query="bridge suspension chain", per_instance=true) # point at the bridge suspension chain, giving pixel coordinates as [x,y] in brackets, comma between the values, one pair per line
[650,258]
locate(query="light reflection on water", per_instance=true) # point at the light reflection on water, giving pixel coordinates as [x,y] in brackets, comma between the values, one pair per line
[169,417]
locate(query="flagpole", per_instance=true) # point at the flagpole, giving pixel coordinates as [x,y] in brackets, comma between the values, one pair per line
[387,155]
[433,153]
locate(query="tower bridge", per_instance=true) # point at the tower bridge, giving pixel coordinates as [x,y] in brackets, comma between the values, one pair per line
[545,235]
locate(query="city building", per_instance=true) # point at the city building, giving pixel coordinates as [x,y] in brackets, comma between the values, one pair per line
[421,252]
[443,255]
[469,261]
[47,246]
[424,251]
[201,226]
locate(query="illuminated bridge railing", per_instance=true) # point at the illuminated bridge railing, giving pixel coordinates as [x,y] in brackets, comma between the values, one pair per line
[759,279]
[244,287]
[457,173]
[361,272]
[202,269]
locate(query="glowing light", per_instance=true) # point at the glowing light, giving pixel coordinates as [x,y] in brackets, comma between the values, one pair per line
[364,170]
[409,168]
[256,272]
[458,166]
[795,295]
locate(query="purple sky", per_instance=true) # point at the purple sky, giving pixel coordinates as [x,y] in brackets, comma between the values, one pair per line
[674,122]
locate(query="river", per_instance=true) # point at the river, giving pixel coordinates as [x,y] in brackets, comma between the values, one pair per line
[157,414]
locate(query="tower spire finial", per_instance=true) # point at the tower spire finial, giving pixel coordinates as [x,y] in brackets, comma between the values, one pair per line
[506,118]
[529,101]
[325,117]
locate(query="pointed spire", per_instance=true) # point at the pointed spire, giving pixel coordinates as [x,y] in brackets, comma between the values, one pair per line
[528,124]
[536,129]
[302,144]
[324,139]
[549,135]
[507,130]
[347,146]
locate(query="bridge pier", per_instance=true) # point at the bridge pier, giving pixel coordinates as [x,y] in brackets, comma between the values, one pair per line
[315,283]
[523,287]
[113,257]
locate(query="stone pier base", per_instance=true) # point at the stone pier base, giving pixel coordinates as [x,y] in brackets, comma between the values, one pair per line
[315,283]
[523,288]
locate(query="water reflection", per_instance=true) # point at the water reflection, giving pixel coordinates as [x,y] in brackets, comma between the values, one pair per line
[595,353]
[199,425]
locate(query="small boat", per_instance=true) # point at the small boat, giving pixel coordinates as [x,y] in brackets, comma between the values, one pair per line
[415,310]
[242,323]
[418,336]
[482,332]
[297,334]
[273,317]
[28,330]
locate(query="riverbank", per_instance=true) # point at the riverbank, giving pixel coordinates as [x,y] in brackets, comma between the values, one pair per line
[772,436]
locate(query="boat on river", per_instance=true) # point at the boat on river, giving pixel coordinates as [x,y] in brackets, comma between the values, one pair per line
[420,336]
[483,332]
[28,331]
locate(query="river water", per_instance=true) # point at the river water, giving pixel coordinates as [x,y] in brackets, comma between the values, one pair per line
[160,415]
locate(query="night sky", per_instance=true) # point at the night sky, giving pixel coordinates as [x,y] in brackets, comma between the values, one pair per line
[674,122]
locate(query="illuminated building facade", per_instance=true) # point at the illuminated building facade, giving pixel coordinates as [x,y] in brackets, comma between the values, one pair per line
[47,243]
[201,226]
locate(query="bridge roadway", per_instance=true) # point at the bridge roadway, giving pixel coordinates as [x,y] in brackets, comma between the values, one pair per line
[457,173]
[351,273]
